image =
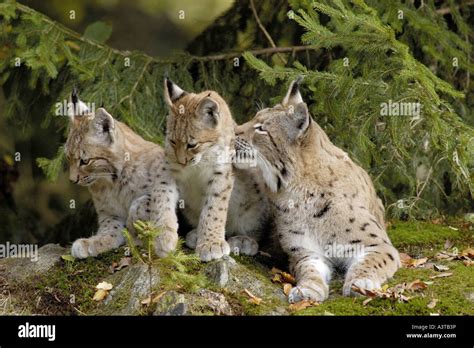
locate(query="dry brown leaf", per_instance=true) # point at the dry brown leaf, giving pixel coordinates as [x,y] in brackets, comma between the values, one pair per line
[442,275]
[405,258]
[468,263]
[441,268]
[117,266]
[104,286]
[417,285]
[252,298]
[448,244]
[288,278]
[275,270]
[437,221]
[468,252]
[100,295]
[419,262]
[408,261]
[277,278]
[286,288]
[432,303]
[155,299]
[298,306]
[365,292]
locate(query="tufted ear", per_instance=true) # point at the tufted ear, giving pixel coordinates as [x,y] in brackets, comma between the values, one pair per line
[208,111]
[297,121]
[103,126]
[172,92]
[75,106]
[293,96]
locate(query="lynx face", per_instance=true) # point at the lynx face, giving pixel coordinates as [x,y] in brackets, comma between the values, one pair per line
[277,134]
[93,148]
[195,124]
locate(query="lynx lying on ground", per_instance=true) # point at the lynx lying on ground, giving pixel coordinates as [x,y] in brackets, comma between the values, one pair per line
[327,212]
[218,200]
[126,177]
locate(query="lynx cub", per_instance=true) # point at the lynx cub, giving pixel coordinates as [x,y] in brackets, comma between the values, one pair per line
[327,212]
[126,177]
[218,200]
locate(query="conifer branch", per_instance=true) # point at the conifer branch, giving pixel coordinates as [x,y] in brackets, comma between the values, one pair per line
[265,32]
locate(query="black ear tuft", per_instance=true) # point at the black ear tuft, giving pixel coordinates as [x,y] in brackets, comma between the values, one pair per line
[295,88]
[172,91]
[74,95]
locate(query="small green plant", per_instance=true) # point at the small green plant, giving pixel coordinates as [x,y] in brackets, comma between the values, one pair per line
[179,270]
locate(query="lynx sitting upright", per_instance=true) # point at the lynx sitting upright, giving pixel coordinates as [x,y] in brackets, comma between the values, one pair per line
[327,212]
[126,177]
[218,200]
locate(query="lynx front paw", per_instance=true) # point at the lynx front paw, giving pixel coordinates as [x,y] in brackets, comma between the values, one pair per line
[212,250]
[243,245]
[300,293]
[361,283]
[191,239]
[93,246]
[165,243]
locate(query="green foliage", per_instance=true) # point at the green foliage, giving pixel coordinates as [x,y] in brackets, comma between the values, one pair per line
[421,167]
[410,158]
[177,270]
[52,167]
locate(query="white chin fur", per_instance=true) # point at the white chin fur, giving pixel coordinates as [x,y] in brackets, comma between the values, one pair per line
[269,174]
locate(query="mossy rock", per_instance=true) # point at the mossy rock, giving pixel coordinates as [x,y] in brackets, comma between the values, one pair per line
[57,286]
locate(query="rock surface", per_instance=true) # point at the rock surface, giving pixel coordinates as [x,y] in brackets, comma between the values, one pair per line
[224,293]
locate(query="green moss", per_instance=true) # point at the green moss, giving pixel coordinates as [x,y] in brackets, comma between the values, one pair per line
[421,232]
[68,288]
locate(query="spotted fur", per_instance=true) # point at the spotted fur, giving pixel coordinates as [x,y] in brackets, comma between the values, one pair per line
[218,200]
[126,177]
[327,212]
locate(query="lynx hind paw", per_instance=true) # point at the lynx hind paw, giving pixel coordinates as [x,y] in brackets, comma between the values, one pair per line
[191,239]
[166,242]
[212,250]
[243,245]
[361,283]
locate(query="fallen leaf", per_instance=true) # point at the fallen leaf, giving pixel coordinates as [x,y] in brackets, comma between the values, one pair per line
[100,295]
[442,275]
[441,268]
[407,261]
[417,285]
[428,265]
[419,262]
[286,288]
[468,263]
[288,278]
[468,252]
[432,303]
[405,258]
[69,258]
[252,298]
[437,221]
[104,286]
[448,244]
[282,277]
[277,278]
[275,270]
[298,306]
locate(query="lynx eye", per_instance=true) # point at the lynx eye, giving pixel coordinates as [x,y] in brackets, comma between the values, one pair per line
[173,142]
[84,162]
[259,129]
[192,145]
